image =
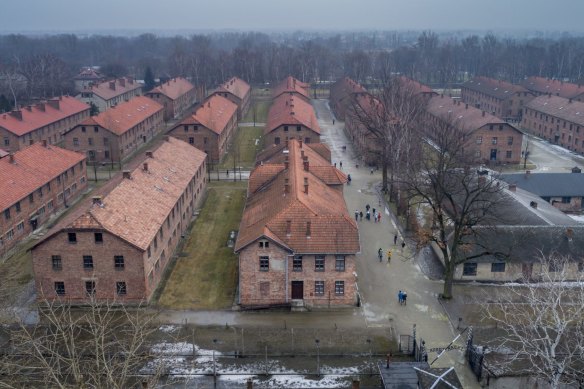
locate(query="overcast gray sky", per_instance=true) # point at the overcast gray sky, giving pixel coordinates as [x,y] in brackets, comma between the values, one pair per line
[80,15]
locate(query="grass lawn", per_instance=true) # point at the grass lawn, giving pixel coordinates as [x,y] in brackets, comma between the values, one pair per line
[261,110]
[245,143]
[205,273]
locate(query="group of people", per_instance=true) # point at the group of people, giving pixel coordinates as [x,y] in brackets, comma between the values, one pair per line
[369,212]
[380,254]
[402,297]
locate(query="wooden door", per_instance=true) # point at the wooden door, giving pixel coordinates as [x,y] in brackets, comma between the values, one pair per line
[297,290]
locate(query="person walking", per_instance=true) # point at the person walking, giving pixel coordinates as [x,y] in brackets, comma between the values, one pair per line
[378,217]
[404,298]
[341,165]
[367,207]
[374,216]
[400,297]
[395,239]
[371,170]
[403,244]
[356,215]
[368,215]
[388,256]
[361,215]
[380,254]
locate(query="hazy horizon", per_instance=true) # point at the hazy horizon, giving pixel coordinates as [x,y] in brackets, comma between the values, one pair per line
[42,16]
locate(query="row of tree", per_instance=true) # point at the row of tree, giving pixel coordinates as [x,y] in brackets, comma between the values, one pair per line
[43,66]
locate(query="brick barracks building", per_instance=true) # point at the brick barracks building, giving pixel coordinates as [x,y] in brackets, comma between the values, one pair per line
[35,183]
[210,128]
[545,86]
[292,86]
[117,247]
[502,99]
[45,121]
[110,93]
[176,96]
[238,92]
[297,242]
[116,133]
[490,139]
[291,117]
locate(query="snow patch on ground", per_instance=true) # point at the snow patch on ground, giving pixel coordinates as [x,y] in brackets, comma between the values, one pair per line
[578,218]
[168,329]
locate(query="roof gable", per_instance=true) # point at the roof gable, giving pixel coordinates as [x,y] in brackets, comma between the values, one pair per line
[173,88]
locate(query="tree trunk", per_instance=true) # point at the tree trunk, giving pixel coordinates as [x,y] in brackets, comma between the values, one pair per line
[448,278]
[384,174]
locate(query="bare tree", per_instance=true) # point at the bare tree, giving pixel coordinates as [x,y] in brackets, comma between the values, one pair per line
[98,346]
[542,323]
[390,115]
[443,183]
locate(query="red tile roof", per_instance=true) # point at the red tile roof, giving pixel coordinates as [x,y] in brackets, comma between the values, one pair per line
[290,110]
[214,113]
[89,74]
[107,90]
[136,208]
[32,168]
[173,88]
[496,88]
[559,107]
[124,116]
[555,87]
[465,116]
[236,86]
[416,86]
[40,115]
[3,153]
[292,85]
[313,222]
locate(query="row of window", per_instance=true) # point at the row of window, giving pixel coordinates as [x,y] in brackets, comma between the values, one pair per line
[470,268]
[121,288]
[57,262]
[297,263]
[494,140]
[494,152]
[90,141]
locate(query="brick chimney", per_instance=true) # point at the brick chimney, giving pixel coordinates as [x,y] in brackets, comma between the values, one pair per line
[306,185]
[150,154]
[11,157]
[112,85]
[16,114]
[130,80]
[569,234]
[145,166]
[306,165]
[300,143]
[122,81]
[127,174]
[533,204]
[54,103]
[249,384]
[288,227]
[44,142]
[29,108]
[308,229]
[527,173]
[286,186]
[209,104]
[41,107]
[96,200]
[166,138]
[483,113]
[512,187]
[286,162]
[356,383]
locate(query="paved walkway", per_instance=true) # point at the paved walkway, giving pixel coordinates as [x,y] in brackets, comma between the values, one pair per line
[379,283]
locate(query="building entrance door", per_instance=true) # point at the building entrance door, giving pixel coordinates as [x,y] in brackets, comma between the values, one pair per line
[297,290]
[493,154]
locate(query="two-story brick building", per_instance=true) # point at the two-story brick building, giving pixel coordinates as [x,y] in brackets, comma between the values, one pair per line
[502,99]
[210,128]
[292,86]
[341,95]
[488,139]
[110,93]
[238,92]
[176,95]
[117,247]
[297,242]
[116,133]
[87,77]
[557,119]
[291,117]
[47,120]
[546,86]
[35,183]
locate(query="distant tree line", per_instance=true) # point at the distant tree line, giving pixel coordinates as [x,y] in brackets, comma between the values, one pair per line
[42,66]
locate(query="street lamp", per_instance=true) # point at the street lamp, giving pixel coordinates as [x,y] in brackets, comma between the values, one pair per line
[370,364]
[317,341]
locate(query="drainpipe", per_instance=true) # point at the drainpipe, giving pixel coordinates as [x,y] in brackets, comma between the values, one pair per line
[239,279]
[286,265]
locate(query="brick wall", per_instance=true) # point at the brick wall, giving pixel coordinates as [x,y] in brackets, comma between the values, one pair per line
[554,129]
[513,271]
[270,287]
[284,132]
[205,139]
[46,201]
[500,137]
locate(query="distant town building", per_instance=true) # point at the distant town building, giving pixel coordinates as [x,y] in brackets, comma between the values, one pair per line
[47,120]
[545,86]
[291,117]
[87,77]
[501,99]
[117,247]
[110,93]
[556,119]
[297,242]
[489,139]
[116,133]
[35,183]
[238,92]
[210,128]
[176,96]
